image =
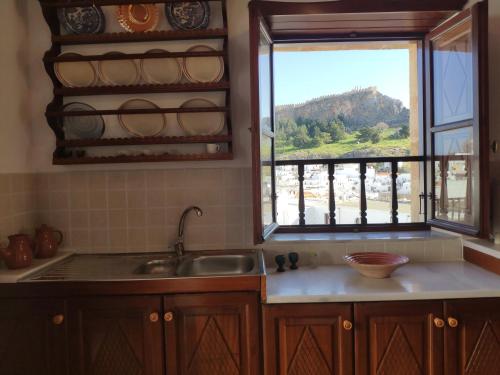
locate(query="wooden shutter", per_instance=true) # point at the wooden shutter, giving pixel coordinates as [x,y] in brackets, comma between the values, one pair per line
[261,66]
[457,118]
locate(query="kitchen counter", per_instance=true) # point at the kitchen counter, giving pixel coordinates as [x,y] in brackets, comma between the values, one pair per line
[12,276]
[417,281]
[100,274]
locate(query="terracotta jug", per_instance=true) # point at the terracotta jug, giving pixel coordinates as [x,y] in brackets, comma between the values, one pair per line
[19,253]
[46,244]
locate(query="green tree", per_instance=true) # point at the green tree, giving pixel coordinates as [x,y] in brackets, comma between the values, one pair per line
[404,132]
[301,137]
[337,131]
[376,136]
[364,135]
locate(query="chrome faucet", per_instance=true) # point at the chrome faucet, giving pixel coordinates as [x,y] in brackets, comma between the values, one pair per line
[179,244]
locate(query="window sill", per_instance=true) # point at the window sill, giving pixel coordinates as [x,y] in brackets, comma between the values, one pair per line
[360,236]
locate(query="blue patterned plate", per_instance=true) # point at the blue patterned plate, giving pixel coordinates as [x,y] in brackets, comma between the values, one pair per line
[188,15]
[82,127]
[85,20]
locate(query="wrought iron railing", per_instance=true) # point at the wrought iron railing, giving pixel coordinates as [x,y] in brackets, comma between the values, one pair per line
[362,163]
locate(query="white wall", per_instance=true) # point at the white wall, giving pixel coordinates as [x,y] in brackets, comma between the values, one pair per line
[15,124]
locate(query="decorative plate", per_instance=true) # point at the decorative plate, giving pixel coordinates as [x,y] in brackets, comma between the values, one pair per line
[203,69]
[85,20]
[375,265]
[200,123]
[193,15]
[142,125]
[75,73]
[161,70]
[82,127]
[118,72]
[137,18]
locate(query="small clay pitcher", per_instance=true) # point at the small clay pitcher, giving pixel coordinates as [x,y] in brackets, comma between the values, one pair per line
[19,253]
[46,243]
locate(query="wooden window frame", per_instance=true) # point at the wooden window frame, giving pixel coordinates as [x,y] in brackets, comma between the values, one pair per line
[260,11]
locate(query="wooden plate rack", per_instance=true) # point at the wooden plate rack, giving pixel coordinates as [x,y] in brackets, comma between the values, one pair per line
[54,111]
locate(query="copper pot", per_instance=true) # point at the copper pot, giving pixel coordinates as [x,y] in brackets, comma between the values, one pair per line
[19,252]
[46,241]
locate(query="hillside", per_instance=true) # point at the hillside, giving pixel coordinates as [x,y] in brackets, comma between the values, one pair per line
[358,123]
[357,109]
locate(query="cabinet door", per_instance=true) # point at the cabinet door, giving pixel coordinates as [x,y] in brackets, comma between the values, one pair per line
[32,337]
[116,335]
[303,339]
[472,337]
[212,334]
[399,338]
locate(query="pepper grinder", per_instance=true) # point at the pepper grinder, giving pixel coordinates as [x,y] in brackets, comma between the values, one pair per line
[293,258]
[280,261]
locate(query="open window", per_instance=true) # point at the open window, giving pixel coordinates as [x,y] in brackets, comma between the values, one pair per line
[421,163]
[458,122]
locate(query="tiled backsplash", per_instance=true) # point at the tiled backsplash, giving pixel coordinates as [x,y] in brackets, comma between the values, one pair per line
[139,210]
[16,204]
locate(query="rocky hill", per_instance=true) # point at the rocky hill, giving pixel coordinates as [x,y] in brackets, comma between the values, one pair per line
[357,109]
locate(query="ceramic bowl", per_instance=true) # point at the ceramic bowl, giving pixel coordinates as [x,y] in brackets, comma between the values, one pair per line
[375,265]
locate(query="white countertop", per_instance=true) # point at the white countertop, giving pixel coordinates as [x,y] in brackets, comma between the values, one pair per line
[417,281]
[12,276]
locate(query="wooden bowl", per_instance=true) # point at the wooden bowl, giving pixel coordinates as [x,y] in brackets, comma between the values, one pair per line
[375,265]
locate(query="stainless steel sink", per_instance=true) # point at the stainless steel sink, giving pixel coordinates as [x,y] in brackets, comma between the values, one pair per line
[165,267]
[217,265]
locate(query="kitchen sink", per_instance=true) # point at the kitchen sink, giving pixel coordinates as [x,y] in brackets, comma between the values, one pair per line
[165,267]
[217,265]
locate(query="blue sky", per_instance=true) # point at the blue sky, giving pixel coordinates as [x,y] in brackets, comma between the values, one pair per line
[301,76]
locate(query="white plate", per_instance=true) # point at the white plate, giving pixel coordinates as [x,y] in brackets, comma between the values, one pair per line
[161,70]
[202,123]
[142,125]
[203,69]
[75,74]
[118,72]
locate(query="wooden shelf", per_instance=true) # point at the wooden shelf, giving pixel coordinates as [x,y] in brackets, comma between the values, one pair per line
[105,112]
[225,138]
[55,109]
[142,89]
[83,3]
[141,159]
[133,56]
[151,36]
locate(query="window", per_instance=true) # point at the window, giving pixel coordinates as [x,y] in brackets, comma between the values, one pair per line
[340,108]
[364,121]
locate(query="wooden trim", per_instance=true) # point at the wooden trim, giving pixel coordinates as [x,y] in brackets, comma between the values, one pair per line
[401,227]
[450,23]
[132,287]
[482,260]
[269,8]
[480,44]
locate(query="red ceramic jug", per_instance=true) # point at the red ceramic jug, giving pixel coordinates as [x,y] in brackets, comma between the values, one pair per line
[46,244]
[19,252]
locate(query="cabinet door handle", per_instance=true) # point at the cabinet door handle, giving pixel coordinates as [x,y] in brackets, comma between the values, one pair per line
[58,319]
[168,317]
[153,317]
[439,323]
[347,325]
[452,322]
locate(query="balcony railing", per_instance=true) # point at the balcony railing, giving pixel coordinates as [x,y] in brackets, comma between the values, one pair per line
[330,165]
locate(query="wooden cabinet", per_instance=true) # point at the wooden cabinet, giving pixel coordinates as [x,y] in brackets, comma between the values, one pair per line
[116,335]
[313,339]
[399,338]
[472,337]
[212,334]
[33,337]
